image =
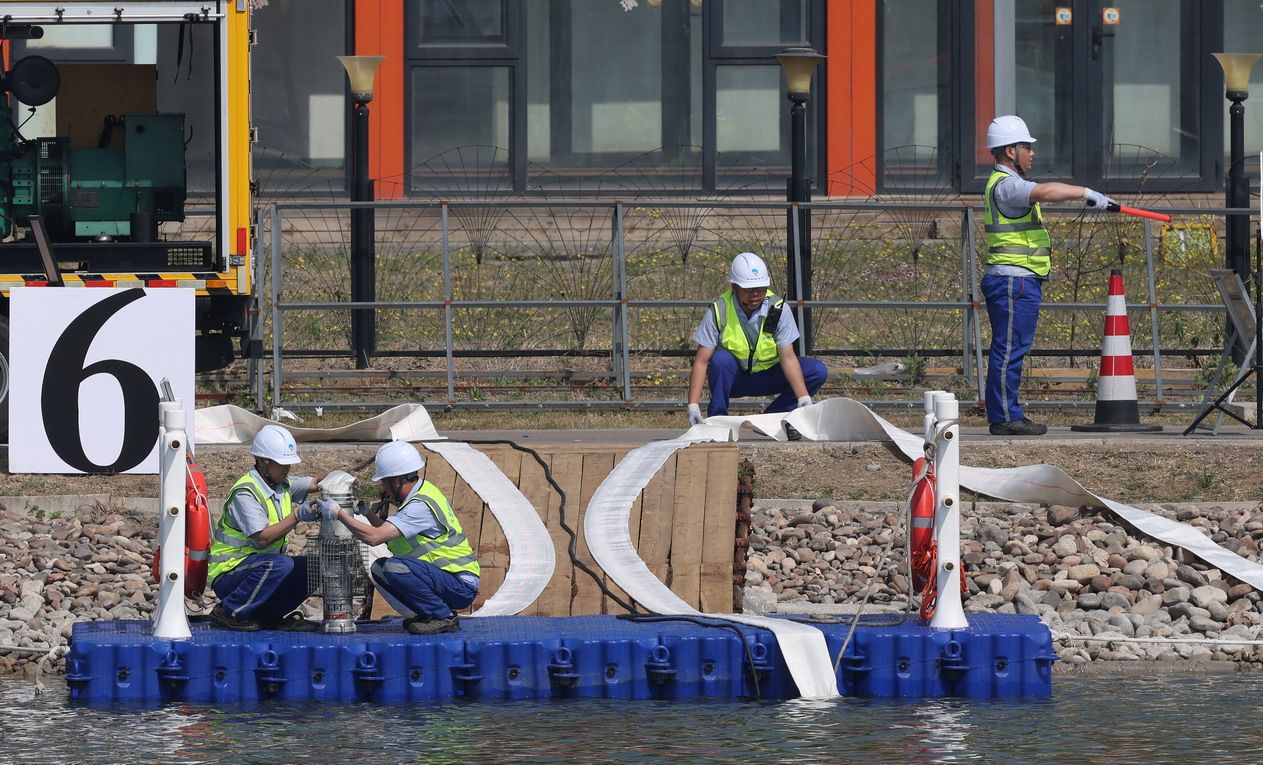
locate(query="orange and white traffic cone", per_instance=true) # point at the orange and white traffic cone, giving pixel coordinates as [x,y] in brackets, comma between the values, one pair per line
[1116,407]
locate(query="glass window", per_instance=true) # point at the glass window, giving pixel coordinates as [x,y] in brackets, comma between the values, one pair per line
[1150,119]
[456,108]
[299,99]
[752,139]
[1243,29]
[911,69]
[764,22]
[607,87]
[469,21]
[1030,74]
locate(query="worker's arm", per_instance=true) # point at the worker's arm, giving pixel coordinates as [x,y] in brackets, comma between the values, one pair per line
[369,535]
[267,536]
[1065,192]
[793,371]
[697,377]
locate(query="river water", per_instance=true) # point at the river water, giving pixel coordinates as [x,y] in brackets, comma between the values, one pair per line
[1122,719]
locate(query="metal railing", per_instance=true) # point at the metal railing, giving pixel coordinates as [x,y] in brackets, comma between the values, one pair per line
[599,298]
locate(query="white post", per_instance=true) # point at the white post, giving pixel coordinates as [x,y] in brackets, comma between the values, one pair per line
[927,398]
[170,621]
[949,614]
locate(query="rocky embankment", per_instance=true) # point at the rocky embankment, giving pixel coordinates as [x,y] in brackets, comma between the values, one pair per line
[1084,574]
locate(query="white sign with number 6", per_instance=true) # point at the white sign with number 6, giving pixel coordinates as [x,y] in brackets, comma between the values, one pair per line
[85,367]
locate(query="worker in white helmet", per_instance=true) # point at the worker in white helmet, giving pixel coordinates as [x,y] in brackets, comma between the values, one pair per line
[259,585]
[1019,259]
[434,571]
[745,347]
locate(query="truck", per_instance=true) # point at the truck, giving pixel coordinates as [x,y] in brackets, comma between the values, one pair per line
[126,151]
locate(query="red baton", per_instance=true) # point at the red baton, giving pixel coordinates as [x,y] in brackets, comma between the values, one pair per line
[1115,207]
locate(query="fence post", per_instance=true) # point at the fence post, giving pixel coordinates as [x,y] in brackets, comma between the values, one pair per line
[971,292]
[1159,395]
[621,340]
[447,307]
[276,306]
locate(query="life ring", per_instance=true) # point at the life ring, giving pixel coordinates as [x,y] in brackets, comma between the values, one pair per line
[921,525]
[922,549]
[197,534]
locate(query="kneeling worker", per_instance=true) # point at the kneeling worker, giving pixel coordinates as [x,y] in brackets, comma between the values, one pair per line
[258,584]
[745,347]
[433,571]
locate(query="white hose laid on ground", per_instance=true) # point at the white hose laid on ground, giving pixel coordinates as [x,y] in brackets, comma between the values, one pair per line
[531,556]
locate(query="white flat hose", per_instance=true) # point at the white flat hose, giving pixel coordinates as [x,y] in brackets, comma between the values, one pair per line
[843,420]
[531,557]
[609,540]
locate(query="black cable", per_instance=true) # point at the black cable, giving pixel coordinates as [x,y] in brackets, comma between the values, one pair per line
[651,618]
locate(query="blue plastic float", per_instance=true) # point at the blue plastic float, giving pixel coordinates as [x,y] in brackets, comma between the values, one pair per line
[519,657]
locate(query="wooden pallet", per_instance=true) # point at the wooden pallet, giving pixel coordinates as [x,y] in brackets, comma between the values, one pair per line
[683,524]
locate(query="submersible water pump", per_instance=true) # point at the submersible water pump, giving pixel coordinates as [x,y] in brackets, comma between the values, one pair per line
[335,563]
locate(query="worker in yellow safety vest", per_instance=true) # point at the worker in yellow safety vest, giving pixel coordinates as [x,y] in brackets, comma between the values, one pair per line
[745,347]
[1019,259]
[258,584]
[433,571]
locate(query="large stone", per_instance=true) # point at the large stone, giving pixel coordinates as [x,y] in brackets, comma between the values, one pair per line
[1084,572]
[1207,594]
[1176,595]
[1060,515]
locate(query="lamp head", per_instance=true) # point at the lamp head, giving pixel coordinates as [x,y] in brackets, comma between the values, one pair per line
[799,65]
[361,71]
[1237,68]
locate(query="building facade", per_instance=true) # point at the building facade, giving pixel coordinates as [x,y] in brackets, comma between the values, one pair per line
[686,97]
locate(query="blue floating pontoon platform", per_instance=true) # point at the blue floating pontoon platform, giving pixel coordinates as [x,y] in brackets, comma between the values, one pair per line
[519,657]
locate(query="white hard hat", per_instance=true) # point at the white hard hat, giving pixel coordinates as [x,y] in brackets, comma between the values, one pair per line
[1007,130]
[275,443]
[397,458]
[749,270]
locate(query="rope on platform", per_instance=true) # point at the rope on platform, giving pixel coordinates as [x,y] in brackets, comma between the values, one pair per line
[50,655]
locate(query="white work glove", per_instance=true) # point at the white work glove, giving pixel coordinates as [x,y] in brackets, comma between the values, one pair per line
[327,508]
[308,511]
[804,401]
[695,414]
[1096,200]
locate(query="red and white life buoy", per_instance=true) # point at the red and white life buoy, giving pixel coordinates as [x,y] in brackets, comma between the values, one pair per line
[922,549]
[197,534]
[921,524]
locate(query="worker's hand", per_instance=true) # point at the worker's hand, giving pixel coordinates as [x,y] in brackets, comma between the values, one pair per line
[328,509]
[804,401]
[308,511]
[695,414]
[361,507]
[1096,200]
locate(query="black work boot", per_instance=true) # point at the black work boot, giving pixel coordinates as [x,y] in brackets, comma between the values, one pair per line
[220,617]
[424,625]
[1022,427]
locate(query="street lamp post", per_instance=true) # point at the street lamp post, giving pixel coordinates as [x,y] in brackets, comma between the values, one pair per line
[1237,68]
[799,65]
[362,71]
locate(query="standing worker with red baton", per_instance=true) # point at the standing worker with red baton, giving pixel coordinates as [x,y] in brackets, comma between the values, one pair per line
[1018,261]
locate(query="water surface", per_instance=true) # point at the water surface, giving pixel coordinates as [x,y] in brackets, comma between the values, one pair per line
[1108,720]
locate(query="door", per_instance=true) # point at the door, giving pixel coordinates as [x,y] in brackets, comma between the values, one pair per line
[1112,89]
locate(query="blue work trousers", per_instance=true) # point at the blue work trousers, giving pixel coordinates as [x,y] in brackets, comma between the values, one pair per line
[264,588]
[727,381]
[1013,307]
[424,588]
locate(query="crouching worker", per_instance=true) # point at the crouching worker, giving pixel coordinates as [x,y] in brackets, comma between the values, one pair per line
[745,347]
[258,584]
[433,570]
